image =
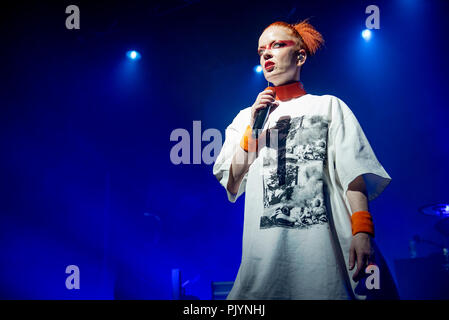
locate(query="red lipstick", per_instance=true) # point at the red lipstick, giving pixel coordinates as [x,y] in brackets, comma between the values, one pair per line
[269,65]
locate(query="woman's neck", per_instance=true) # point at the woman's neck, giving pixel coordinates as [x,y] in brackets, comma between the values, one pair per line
[288,91]
[286,83]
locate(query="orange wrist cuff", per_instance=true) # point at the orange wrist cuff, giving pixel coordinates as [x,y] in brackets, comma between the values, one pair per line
[248,143]
[362,222]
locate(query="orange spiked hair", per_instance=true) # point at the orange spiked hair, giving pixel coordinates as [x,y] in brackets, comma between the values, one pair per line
[310,39]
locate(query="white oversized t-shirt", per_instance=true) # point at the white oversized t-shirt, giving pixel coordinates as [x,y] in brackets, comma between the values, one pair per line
[297,227]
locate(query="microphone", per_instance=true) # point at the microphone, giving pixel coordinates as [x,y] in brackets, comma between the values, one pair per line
[261,116]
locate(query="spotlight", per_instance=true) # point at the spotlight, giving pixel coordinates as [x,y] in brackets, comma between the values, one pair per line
[133,55]
[366,34]
[258,68]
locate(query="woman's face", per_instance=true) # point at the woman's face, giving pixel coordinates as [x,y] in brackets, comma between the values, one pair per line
[278,50]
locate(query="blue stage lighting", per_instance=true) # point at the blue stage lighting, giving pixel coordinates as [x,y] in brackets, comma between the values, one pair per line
[366,34]
[258,68]
[133,55]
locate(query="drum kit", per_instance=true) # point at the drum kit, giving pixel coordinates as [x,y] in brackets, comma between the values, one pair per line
[426,277]
[441,212]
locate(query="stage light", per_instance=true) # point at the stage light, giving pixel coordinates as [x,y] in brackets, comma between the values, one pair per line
[258,68]
[133,55]
[366,34]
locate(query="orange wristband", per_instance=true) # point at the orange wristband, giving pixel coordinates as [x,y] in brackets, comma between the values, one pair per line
[362,222]
[248,143]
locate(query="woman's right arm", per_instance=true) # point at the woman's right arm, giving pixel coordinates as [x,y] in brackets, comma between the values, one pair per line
[240,164]
[242,160]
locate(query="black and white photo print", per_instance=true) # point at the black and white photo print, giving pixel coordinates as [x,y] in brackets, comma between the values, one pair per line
[293,174]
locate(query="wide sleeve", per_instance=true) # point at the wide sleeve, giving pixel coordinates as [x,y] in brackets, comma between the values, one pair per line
[354,156]
[222,164]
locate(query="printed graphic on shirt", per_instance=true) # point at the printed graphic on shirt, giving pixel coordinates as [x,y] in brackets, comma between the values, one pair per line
[293,174]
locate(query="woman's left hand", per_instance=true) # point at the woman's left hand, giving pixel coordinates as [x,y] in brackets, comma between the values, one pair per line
[362,251]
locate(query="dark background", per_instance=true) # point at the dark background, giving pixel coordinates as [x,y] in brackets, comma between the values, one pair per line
[85,170]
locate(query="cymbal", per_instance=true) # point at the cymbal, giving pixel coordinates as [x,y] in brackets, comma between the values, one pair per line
[440,210]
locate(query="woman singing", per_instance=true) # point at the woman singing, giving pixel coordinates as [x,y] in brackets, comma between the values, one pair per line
[308,177]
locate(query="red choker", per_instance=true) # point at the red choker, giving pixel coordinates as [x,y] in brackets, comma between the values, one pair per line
[288,91]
